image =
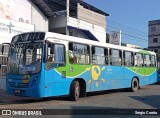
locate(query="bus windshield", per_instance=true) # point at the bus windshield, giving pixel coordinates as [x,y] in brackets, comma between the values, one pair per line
[25,58]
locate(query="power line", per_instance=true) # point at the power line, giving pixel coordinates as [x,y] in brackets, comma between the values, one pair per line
[129,35]
[116,28]
[127,26]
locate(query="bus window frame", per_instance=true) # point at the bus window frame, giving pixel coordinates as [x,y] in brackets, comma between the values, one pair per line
[141,60]
[89,47]
[155,60]
[132,58]
[104,56]
[120,52]
[46,53]
[147,60]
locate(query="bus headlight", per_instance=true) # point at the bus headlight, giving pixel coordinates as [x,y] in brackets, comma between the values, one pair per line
[36,80]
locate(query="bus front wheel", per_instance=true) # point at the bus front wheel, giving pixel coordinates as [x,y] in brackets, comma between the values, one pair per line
[75,91]
[134,85]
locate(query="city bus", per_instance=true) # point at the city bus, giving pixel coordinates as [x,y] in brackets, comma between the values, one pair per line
[46,64]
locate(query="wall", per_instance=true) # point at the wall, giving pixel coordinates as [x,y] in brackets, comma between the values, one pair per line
[97,31]
[38,19]
[94,18]
[9,28]
[17,10]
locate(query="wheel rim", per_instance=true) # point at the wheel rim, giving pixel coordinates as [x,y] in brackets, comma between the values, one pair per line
[77,91]
[135,85]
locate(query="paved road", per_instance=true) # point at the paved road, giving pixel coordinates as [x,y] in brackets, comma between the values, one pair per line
[147,97]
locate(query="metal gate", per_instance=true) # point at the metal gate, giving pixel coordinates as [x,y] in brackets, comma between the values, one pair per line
[3,62]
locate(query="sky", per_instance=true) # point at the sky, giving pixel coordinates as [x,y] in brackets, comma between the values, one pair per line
[129,16]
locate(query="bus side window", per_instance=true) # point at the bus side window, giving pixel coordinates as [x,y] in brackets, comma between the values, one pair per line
[115,57]
[128,58]
[147,60]
[120,57]
[138,60]
[50,52]
[56,53]
[79,53]
[98,55]
[153,61]
[71,55]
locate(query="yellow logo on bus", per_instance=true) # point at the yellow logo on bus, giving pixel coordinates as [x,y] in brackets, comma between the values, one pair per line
[95,73]
[26,78]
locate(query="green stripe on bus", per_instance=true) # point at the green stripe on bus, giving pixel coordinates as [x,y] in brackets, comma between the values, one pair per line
[144,52]
[142,71]
[77,68]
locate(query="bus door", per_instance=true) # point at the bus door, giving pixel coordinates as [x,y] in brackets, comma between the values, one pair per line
[148,69]
[129,68]
[139,68]
[55,59]
[115,71]
[153,69]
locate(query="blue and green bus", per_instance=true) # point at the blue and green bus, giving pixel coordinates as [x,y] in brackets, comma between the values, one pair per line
[45,64]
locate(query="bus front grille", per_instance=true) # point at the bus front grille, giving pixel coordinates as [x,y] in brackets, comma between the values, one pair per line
[19,85]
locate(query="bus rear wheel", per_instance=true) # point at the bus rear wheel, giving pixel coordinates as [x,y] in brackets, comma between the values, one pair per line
[75,91]
[134,85]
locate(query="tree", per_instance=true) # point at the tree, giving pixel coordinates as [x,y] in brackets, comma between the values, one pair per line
[123,44]
[107,38]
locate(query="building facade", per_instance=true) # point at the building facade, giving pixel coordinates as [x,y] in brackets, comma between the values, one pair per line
[154,36]
[75,18]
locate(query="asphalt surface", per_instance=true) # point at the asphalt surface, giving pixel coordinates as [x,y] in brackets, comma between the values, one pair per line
[147,97]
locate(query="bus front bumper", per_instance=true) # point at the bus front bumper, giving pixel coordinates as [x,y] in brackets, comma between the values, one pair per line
[32,91]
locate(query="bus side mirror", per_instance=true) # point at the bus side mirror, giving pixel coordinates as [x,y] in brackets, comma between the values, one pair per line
[0,66]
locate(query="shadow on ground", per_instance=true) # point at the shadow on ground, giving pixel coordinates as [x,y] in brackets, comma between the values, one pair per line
[152,100]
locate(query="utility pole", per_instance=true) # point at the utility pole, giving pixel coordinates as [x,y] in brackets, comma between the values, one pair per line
[67,15]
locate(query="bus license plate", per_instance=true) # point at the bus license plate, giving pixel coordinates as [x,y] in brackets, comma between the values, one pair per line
[17,91]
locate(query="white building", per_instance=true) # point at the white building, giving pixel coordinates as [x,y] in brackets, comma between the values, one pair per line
[78,18]
[70,17]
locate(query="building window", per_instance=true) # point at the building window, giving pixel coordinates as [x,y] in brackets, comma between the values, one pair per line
[153,29]
[155,40]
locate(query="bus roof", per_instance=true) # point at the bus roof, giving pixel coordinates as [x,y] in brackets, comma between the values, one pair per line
[90,42]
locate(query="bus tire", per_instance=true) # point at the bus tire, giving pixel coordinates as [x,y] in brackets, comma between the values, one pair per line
[134,85]
[75,91]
